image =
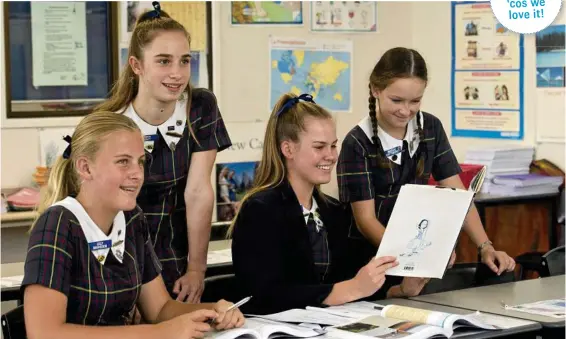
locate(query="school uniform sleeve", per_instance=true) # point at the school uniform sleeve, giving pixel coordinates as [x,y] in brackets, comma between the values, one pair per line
[152,266]
[50,251]
[259,263]
[444,163]
[355,181]
[210,131]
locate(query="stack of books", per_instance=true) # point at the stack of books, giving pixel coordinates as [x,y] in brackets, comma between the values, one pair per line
[500,161]
[526,184]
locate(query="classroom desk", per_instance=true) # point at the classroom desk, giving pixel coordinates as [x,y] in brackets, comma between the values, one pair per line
[526,331]
[489,298]
[506,219]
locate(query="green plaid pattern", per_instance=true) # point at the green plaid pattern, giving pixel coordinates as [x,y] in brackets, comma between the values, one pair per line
[59,258]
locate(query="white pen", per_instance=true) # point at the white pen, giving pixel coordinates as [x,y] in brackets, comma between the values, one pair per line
[238,304]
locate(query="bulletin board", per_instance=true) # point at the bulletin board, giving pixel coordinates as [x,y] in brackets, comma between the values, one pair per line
[24,100]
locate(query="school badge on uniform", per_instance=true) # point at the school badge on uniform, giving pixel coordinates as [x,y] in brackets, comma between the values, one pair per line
[100,258]
[149,142]
[119,255]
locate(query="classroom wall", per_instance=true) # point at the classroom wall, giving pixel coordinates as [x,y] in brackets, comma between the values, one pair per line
[241,83]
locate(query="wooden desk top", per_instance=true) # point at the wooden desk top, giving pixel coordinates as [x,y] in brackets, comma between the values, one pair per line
[489,298]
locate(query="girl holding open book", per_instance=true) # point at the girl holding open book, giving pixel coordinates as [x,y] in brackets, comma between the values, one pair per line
[399,144]
[289,248]
[90,260]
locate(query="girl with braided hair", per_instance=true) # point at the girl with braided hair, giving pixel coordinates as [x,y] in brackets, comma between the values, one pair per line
[399,144]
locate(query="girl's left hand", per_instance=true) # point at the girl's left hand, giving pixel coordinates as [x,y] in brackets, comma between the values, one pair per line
[489,256]
[227,320]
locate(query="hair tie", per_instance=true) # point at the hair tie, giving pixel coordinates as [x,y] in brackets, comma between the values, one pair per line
[291,102]
[156,13]
[67,151]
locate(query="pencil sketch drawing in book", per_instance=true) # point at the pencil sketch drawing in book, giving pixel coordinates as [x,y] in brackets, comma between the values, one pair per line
[418,243]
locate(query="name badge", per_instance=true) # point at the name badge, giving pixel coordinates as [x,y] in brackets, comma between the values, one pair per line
[100,245]
[393,151]
[149,141]
[151,137]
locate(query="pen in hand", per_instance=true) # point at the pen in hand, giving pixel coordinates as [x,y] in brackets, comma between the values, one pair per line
[238,304]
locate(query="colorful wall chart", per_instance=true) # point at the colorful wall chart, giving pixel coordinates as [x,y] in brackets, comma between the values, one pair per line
[487,75]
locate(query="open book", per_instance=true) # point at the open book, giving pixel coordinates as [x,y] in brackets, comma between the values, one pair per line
[423,229]
[258,328]
[412,323]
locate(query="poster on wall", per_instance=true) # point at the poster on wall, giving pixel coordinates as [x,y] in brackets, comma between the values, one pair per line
[267,12]
[343,16]
[317,67]
[51,144]
[59,44]
[487,75]
[233,181]
[551,91]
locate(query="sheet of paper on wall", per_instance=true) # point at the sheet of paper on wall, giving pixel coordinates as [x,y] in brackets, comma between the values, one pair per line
[59,44]
[51,144]
[423,229]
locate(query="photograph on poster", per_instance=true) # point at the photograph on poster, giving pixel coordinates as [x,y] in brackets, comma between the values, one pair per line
[267,12]
[501,93]
[500,29]
[550,47]
[471,28]
[501,49]
[472,50]
[233,181]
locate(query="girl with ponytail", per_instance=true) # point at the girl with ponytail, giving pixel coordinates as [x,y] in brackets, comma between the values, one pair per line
[399,144]
[288,248]
[183,131]
[90,261]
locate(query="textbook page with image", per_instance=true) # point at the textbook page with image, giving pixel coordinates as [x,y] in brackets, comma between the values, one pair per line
[412,323]
[257,328]
[423,229]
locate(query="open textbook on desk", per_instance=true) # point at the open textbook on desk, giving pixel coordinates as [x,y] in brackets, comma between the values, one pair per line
[396,321]
[423,229]
[258,328]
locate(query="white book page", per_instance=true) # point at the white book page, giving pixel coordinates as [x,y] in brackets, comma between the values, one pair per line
[267,328]
[423,229]
[353,310]
[304,316]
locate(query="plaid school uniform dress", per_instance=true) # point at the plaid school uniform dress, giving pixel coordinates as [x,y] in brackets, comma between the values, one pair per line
[318,238]
[169,148]
[100,290]
[360,178]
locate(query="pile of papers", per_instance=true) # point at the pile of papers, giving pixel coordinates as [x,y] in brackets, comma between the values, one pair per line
[501,161]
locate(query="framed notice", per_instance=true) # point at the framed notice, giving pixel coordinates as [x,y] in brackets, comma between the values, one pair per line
[61,57]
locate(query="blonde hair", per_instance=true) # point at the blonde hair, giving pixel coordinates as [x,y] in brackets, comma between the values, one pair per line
[126,88]
[90,132]
[283,127]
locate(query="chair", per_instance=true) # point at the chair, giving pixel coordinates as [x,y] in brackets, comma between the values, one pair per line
[545,264]
[466,275]
[13,324]
[221,287]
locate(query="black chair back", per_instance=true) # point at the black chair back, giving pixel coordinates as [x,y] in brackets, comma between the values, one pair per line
[554,261]
[545,264]
[457,277]
[466,275]
[13,324]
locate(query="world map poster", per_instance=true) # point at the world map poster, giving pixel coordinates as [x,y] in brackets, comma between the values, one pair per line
[317,67]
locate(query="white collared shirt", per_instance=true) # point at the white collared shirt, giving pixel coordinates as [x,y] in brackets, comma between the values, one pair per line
[175,123]
[99,243]
[392,146]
